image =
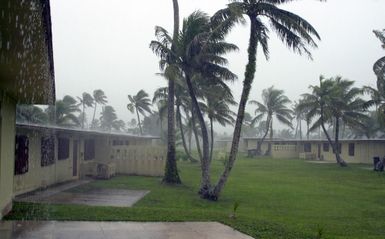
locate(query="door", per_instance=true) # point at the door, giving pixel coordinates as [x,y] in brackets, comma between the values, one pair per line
[75,159]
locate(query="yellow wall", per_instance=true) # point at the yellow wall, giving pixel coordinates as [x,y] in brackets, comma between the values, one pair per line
[7,151]
[38,176]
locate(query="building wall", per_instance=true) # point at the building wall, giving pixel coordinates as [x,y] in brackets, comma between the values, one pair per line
[364,152]
[42,176]
[7,146]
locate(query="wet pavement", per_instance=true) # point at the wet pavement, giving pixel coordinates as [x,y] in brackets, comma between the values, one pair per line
[93,197]
[117,230]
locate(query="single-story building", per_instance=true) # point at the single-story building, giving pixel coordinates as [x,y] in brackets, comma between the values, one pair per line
[26,75]
[352,150]
[47,155]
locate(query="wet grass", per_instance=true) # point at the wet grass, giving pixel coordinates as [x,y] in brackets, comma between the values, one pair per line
[277,199]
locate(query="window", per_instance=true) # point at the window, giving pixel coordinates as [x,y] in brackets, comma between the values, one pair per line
[63,149]
[307,147]
[89,149]
[21,154]
[47,151]
[351,149]
[326,147]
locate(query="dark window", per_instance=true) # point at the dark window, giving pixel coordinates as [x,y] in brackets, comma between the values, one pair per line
[307,147]
[127,143]
[63,148]
[89,149]
[114,142]
[351,149]
[47,151]
[21,154]
[326,147]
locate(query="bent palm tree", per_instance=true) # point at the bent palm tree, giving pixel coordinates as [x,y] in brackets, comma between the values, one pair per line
[139,103]
[85,101]
[293,30]
[99,98]
[274,104]
[63,112]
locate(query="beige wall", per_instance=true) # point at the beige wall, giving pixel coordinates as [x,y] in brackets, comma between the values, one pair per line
[139,157]
[38,176]
[7,151]
[364,151]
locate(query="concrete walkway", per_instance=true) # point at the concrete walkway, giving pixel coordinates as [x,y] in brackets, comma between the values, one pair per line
[117,230]
[93,197]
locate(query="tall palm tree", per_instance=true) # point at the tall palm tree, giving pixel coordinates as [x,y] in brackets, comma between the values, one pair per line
[198,56]
[63,112]
[99,98]
[378,95]
[139,103]
[85,101]
[274,103]
[293,30]
[299,116]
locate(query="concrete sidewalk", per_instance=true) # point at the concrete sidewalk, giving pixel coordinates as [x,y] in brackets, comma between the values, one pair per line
[117,230]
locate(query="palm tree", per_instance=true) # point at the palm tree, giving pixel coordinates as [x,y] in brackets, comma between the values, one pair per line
[274,103]
[107,118]
[30,114]
[139,103]
[293,30]
[299,116]
[85,101]
[335,101]
[378,95]
[99,98]
[63,112]
[218,110]
[197,56]
[379,65]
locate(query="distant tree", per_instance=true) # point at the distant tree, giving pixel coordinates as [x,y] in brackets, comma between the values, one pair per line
[101,99]
[118,125]
[218,110]
[31,114]
[63,113]
[274,103]
[132,126]
[139,103]
[107,118]
[85,101]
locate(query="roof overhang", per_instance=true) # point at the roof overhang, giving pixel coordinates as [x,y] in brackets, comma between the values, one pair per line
[26,55]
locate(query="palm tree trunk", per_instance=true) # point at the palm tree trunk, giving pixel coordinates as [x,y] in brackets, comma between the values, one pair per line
[140,126]
[83,116]
[300,129]
[205,162]
[268,152]
[337,145]
[249,76]
[171,175]
[179,118]
[212,138]
[194,130]
[259,144]
[338,159]
[93,117]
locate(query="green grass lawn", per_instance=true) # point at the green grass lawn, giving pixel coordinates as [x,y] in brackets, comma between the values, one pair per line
[277,199]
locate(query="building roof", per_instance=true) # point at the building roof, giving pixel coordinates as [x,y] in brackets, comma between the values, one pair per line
[84,132]
[314,140]
[26,54]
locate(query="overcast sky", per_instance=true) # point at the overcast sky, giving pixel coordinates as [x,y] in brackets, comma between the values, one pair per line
[104,44]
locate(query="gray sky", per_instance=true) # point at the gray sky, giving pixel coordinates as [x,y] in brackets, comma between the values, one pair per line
[103,44]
